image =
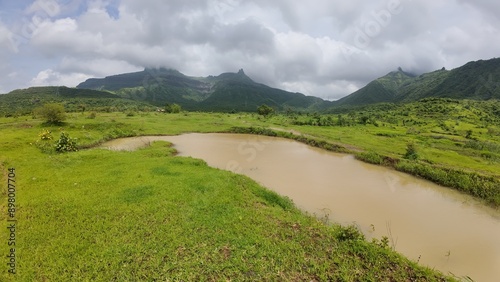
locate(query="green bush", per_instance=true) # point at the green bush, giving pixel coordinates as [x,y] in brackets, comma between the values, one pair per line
[66,144]
[411,152]
[265,110]
[52,113]
[44,142]
[350,233]
[173,108]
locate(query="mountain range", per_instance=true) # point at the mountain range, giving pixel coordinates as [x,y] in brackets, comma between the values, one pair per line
[479,80]
[225,92]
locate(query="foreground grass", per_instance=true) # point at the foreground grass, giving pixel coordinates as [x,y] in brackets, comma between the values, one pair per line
[148,215]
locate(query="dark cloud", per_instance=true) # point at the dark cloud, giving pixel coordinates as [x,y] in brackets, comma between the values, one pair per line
[246,36]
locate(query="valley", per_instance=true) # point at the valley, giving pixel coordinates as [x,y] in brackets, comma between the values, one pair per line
[84,212]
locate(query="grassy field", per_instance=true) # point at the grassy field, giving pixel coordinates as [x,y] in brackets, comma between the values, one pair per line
[151,216]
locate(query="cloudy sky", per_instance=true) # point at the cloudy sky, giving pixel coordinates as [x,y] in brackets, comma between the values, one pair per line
[324,48]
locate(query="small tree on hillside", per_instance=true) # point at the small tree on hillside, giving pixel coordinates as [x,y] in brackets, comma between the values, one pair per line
[52,113]
[265,110]
[411,152]
[173,108]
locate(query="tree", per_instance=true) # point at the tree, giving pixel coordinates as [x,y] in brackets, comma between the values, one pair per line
[411,152]
[82,107]
[173,108]
[52,113]
[341,121]
[265,110]
[364,120]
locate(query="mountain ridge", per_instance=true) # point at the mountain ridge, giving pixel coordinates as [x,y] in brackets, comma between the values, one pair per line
[226,92]
[474,80]
[235,91]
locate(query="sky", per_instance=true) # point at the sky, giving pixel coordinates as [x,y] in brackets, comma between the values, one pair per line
[323,48]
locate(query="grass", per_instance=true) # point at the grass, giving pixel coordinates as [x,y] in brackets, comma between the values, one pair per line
[439,137]
[149,215]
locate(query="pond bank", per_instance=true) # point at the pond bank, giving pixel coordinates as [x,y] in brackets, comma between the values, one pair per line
[440,227]
[483,187]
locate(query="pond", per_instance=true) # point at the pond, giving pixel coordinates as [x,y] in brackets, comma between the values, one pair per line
[437,226]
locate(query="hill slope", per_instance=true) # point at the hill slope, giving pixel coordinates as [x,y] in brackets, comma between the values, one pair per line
[23,101]
[226,92]
[474,80]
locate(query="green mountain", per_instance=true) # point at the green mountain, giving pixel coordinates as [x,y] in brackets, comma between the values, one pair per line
[226,92]
[23,101]
[475,80]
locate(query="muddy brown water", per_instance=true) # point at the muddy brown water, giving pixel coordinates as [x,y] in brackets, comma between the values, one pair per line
[437,226]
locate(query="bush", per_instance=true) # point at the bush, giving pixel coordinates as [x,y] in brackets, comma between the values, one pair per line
[350,233]
[45,135]
[411,152]
[43,142]
[52,113]
[265,110]
[66,144]
[173,108]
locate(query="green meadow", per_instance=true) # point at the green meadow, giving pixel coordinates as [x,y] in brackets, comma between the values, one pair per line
[149,215]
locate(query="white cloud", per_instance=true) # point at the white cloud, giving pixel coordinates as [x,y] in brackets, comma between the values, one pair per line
[49,77]
[95,67]
[63,36]
[308,47]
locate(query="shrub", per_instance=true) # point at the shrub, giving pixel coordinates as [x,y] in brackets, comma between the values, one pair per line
[45,135]
[52,113]
[66,144]
[173,108]
[265,110]
[43,142]
[411,152]
[350,233]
